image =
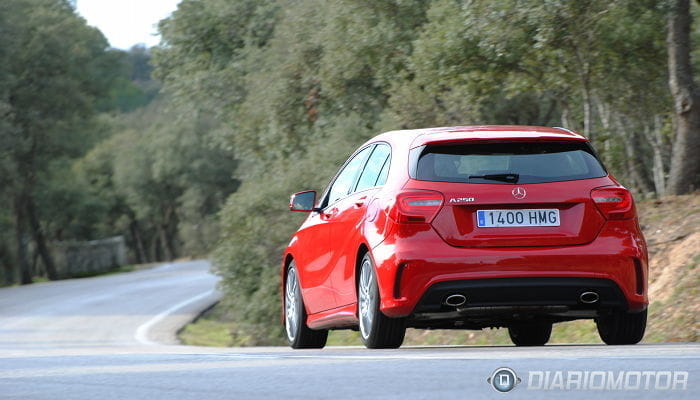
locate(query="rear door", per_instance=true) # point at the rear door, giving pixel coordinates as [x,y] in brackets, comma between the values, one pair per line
[346,229]
[322,292]
[522,193]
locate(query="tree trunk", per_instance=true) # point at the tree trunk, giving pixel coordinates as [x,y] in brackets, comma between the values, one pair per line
[155,247]
[5,258]
[139,248]
[631,145]
[164,243]
[34,266]
[605,116]
[587,110]
[40,239]
[22,242]
[546,120]
[584,75]
[655,138]
[565,122]
[684,176]
[170,227]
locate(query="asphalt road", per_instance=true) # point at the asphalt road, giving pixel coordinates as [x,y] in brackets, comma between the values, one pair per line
[112,337]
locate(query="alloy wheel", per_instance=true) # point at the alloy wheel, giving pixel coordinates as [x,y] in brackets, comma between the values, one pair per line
[367,299]
[291,305]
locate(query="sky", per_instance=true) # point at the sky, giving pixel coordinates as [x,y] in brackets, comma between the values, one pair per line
[127,22]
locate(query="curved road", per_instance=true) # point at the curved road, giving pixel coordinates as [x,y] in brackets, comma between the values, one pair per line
[112,337]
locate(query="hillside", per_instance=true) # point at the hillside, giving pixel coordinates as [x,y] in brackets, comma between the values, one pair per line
[672,230]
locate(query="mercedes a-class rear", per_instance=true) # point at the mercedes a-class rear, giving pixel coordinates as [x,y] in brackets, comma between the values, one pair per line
[467,228]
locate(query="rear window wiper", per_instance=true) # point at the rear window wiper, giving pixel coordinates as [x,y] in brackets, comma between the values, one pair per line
[510,178]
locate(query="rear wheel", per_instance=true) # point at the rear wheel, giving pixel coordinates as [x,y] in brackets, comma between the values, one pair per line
[299,335]
[622,327]
[376,329]
[530,334]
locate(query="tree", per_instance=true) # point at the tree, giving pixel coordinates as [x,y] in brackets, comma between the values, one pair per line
[589,65]
[158,180]
[294,86]
[54,68]
[685,163]
[89,148]
[133,86]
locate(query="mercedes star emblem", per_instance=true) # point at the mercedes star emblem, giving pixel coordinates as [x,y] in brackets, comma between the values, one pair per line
[519,193]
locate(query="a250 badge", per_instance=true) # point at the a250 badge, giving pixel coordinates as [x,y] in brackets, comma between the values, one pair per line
[460,200]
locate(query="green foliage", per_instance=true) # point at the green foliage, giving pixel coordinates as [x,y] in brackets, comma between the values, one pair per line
[205,46]
[57,68]
[133,87]
[54,68]
[158,178]
[294,87]
[89,150]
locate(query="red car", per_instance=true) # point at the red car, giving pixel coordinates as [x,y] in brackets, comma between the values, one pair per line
[467,228]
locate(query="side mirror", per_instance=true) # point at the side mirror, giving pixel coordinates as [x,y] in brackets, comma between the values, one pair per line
[303,201]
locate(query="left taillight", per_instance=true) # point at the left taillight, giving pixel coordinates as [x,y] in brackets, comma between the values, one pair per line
[416,206]
[614,202]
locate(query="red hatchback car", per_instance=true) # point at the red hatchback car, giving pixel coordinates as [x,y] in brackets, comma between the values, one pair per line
[467,228]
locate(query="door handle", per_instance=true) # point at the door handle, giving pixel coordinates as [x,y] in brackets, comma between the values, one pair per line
[360,202]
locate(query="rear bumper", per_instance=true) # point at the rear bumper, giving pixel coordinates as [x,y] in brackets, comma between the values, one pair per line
[420,266]
[502,301]
[528,292]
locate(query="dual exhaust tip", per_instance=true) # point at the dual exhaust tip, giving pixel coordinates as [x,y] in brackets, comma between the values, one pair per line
[589,297]
[456,300]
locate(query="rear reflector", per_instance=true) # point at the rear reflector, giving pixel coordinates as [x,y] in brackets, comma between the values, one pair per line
[639,276]
[614,202]
[397,280]
[416,206]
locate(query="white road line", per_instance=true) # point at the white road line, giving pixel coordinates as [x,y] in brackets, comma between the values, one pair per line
[141,334]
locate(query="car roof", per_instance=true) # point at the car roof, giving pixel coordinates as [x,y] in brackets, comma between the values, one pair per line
[420,137]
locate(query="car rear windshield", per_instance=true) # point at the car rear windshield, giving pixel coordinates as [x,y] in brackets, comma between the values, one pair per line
[514,162]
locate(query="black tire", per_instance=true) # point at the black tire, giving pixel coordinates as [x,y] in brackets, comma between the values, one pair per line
[622,327]
[530,334]
[299,335]
[377,331]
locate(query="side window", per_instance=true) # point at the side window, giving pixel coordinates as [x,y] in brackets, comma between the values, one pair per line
[374,167]
[347,177]
[381,179]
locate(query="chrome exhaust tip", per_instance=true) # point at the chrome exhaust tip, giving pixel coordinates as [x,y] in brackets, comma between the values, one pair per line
[455,300]
[589,297]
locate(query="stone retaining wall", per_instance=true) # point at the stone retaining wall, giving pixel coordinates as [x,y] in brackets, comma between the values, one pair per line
[75,259]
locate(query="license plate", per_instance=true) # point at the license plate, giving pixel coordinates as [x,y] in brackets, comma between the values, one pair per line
[510,218]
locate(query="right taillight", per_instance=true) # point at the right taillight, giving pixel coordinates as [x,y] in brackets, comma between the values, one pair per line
[416,206]
[614,202]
